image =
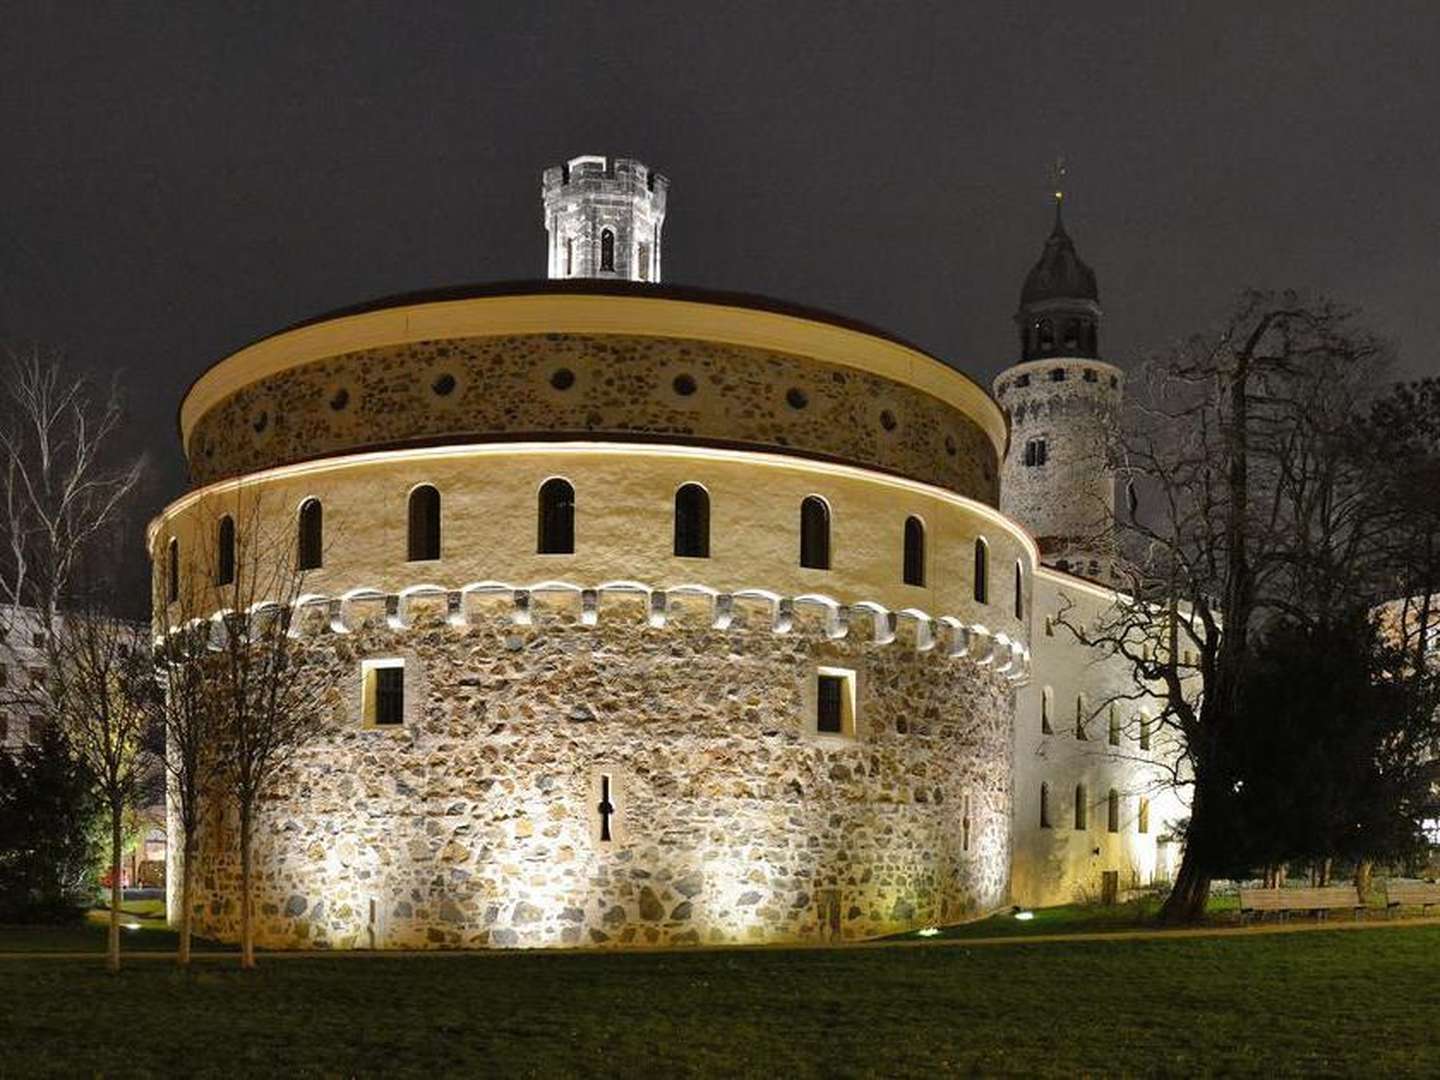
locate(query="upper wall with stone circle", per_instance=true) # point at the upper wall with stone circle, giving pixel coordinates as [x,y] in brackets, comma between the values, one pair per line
[586,360]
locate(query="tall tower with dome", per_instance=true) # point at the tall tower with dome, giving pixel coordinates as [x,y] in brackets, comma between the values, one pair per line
[1062,401]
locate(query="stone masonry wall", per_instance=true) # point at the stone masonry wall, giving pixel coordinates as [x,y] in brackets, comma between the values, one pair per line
[474,825]
[1068,503]
[557,386]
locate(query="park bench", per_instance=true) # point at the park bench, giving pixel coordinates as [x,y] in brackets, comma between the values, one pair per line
[1322,900]
[1421,894]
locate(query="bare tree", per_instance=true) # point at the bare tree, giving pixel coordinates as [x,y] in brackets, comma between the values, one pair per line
[1235,490]
[269,703]
[184,710]
[102,688]
[61,486]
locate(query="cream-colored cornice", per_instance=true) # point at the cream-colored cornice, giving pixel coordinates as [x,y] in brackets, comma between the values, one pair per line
[560,313]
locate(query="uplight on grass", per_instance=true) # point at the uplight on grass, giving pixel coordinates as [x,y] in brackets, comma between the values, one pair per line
[132,926]
[929,931]
[1024,916]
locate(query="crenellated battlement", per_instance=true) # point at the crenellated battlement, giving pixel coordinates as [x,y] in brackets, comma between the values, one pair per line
[643,606]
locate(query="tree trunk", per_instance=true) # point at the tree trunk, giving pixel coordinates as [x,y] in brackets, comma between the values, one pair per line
[1364,871]
[187,878]
[112,948]
[1324,872]
[247,906]
[1191,893]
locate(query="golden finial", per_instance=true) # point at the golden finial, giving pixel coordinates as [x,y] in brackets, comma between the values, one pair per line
[1057,177]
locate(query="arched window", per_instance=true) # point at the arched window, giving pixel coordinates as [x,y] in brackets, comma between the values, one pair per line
[1072,333]
[815,533]
[172,570]
[692,522]
[1142,821]
[424,523]
[982,571]
[311,535]
[1080,716]
[1044,806]
[914,551]
[1047,335]
[1019,590]
[1114,725]
[1082,815]
[225,551]
[1047,707]
[1112,810]
[607,250]
[557,518]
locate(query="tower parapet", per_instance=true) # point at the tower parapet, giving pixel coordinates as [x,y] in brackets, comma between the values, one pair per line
[604,218]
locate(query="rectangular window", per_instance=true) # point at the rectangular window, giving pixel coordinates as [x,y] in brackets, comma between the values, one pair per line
[835,702]
[1036,452]
[1144,733]
[1142,822]
[383,693]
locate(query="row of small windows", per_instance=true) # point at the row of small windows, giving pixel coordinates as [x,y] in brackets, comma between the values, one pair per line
[1059,374]
[556,536]
[1082,810]
[1082,718]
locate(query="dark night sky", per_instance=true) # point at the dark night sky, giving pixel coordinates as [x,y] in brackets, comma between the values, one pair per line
[176,180]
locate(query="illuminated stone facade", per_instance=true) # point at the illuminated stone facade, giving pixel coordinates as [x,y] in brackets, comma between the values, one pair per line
[475,825]
[1056,477]
[624,742]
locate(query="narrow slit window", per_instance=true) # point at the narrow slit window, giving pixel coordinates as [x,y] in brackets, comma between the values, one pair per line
[1045,806]
[172,570]
[1144,733]
[1080,710]
[605,808]
[312,535]
[1082,809]
[982,571]
[424,540]
[1019,590]
[225,551]
[557,518]
[914,551]
[1047,706]
[1112,806]
[1114,725]
[965,824]
[607,250]
[692,522]
[1142,820]
[815,533]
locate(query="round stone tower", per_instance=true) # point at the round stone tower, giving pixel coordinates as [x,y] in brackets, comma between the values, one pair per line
[604,217]
[1061,401]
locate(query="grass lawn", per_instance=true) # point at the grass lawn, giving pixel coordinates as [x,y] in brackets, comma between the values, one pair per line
[1137,914]
[143,930]
[1323,1003]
